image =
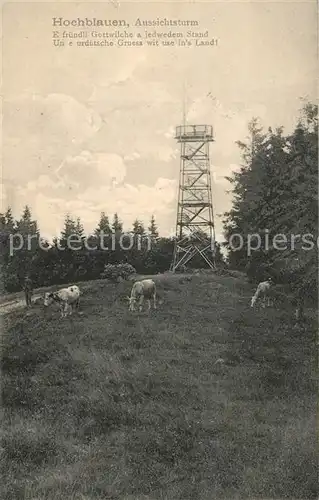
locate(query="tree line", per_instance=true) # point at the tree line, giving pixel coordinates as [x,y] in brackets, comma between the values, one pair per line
[75,256]
[275,205]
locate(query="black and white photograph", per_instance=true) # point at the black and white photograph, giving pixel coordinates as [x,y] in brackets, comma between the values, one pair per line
[159,250]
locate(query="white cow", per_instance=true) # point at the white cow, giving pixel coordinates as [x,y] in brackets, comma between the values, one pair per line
[140,290]
[263,290]
[67,298]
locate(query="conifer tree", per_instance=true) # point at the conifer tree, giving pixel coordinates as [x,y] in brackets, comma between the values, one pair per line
[153,231]
[104,225]
[117,225]
[276,193]
[138,228]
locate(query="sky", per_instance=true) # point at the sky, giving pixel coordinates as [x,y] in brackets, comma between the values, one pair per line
[91,129]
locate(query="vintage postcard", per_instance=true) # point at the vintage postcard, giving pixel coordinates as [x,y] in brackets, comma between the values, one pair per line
[159,250]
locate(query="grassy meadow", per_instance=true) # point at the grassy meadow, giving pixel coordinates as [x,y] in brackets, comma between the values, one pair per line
[201,399]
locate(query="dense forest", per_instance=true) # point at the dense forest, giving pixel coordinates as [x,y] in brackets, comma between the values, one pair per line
[275,205]
[275,192]
[75,256]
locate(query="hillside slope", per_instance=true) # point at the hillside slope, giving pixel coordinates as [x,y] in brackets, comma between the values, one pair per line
[201,399]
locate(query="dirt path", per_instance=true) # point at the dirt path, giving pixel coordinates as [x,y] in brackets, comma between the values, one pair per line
[12,305]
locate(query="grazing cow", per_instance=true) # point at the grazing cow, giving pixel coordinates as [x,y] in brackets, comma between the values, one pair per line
[263,290]
[67,298]
[140,290]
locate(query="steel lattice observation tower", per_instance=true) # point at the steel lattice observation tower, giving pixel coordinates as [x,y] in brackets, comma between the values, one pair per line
[195,230]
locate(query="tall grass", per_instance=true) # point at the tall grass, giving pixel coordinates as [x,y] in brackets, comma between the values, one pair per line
[200,399]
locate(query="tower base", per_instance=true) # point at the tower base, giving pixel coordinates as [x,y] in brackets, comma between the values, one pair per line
[184,253]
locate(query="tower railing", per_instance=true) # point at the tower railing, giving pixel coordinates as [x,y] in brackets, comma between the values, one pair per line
[194,133]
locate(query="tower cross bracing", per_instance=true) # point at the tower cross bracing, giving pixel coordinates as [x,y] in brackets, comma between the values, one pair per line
[195,232]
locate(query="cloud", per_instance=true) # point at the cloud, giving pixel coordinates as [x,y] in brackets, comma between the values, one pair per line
[136,115]
[170,133]
[129,201]
[85,172]
[229,122]
[95,169]
[39,131]
[118,95]
[117,71]
[133,156]
[43,181]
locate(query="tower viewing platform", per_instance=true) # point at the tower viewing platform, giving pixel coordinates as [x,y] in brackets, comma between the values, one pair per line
[194,133]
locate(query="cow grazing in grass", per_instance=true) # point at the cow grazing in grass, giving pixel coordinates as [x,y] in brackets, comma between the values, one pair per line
[263,291]
[67,298]
[145,289]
